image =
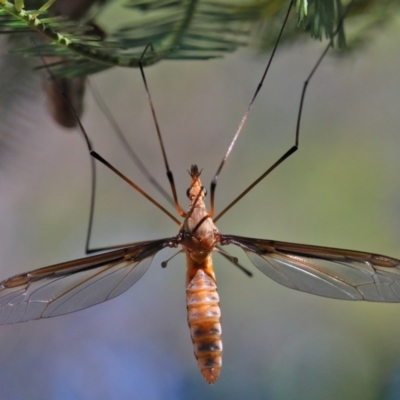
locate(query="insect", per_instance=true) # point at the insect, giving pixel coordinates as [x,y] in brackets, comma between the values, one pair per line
[71,286]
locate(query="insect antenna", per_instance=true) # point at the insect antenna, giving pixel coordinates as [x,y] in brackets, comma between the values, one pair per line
[295,147]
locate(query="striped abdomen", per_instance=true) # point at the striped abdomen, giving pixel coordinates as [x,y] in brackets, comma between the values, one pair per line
[204,323]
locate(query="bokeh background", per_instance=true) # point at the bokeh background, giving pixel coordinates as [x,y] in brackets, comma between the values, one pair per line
[341,189]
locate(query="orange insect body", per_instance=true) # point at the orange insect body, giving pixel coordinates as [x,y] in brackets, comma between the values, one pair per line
[204,323]
[199,238]
[74,285]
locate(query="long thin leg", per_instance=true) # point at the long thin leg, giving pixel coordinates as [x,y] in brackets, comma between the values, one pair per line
[244,118]
[97,156]
[160,140]
[122,138]
[170,175]
[295,147]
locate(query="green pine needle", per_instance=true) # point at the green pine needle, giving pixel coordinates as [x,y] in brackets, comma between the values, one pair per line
[184,29]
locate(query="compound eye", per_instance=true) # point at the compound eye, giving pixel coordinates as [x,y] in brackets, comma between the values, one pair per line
[188,193]
[204,190]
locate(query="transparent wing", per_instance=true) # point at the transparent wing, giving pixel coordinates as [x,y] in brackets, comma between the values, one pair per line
[75,285]
[324,271]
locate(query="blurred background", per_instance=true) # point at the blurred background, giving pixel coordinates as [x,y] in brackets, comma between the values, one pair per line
[341,189]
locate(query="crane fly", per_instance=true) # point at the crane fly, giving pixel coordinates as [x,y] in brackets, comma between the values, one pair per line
[71,286]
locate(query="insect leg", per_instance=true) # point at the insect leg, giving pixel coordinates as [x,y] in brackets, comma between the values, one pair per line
[292,149]
[160,140]
[244,118]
